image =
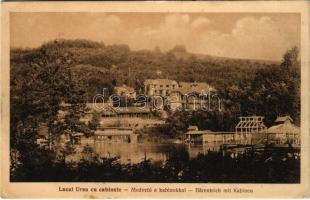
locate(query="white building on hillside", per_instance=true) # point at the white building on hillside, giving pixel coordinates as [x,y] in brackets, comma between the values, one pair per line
[161,87]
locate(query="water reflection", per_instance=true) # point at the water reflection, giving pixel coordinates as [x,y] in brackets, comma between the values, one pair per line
[137,152]
[132,153]
[195,149]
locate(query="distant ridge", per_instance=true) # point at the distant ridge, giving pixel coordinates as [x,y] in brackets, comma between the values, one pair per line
[180,54]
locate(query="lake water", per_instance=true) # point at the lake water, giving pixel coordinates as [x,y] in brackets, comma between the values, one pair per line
[137,152]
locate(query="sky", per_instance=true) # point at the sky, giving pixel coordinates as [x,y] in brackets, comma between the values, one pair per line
[263,36]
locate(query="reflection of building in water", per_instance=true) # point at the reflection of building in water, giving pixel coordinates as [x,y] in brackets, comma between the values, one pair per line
[284,132]
[116,134]
[204,148]
[130,153]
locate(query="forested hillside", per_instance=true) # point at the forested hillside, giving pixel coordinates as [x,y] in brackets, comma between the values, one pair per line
[103,65]
[247,87]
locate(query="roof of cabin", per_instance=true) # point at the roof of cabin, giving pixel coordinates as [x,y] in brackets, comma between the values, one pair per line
[159,81]
[78,134]
[196,87]
[198,132]
[124,88]
[132,109]
[192,127]
[284,118]
[208,132]
[110,131]
[107,109]
[283,128]
[101,107]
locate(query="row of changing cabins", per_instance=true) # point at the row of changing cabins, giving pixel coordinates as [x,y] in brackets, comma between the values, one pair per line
[116,134]
[249,131]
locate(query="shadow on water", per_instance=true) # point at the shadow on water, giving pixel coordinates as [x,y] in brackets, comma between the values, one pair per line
[178,166]
[136,152]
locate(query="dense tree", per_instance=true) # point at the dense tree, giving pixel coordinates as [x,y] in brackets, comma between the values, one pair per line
[38,86]
[270,92]
[97,61]
[275,90]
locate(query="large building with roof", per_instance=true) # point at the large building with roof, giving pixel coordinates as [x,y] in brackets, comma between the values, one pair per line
[132,116]
[160,87]
[187,95]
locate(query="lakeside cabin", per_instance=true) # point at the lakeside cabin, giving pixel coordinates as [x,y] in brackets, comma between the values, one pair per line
[129,112]
[249,130]
[284,132]
[193,135]
[116,134]
[108,111]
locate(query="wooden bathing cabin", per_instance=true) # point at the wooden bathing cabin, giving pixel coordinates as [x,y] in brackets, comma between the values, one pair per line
[249,130]
[284,132]
[116,134]
[193,135]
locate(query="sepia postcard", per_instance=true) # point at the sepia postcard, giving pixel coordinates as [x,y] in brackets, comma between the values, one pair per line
[155,99]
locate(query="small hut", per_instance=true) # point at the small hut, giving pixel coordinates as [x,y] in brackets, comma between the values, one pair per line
[192,128]
[284,131]
[76,137]
[43,135]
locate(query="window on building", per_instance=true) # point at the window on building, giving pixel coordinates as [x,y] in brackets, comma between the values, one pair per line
[161,85]
[167,85]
